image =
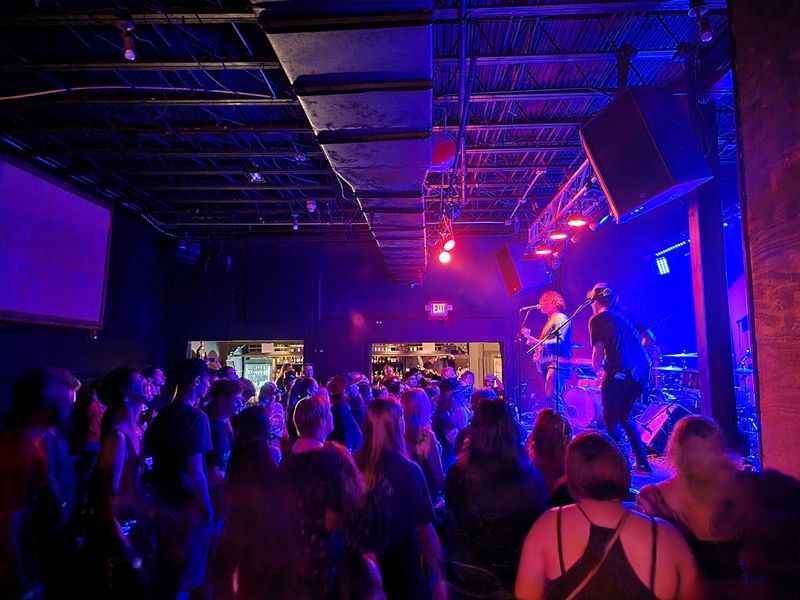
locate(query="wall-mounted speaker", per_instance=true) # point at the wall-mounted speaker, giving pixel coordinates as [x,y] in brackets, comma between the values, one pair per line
[644,151]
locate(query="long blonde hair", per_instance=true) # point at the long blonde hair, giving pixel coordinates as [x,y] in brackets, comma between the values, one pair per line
[383,432]
[417,413]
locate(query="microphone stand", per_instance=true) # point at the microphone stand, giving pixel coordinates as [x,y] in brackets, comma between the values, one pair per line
[519,363]
[556,335]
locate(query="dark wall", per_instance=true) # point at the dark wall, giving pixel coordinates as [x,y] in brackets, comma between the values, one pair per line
[133,330]
[338,299]
[768,103]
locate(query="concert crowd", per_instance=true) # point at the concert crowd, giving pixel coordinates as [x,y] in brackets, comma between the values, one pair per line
[193,484]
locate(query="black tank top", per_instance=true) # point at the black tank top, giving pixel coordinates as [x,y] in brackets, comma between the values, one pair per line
[615,578]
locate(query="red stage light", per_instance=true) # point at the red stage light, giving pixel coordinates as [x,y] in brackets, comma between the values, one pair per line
[449,244]
[577,221]
[558,235]
[543,251]
[444,257]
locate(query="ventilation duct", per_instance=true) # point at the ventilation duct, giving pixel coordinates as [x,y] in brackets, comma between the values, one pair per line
[363,74]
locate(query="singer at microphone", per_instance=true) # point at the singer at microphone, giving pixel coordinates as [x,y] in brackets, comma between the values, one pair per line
[552,305]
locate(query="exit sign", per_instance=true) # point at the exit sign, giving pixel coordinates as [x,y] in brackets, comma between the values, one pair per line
[438,310]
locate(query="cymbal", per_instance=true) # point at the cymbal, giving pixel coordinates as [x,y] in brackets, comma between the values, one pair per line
[682,355]
[674,369]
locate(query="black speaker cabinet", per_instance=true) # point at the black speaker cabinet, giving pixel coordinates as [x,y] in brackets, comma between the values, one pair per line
[508,270]
[644,151]
[657,422]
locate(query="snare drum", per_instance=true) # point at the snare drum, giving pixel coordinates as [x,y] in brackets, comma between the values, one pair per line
[583,406]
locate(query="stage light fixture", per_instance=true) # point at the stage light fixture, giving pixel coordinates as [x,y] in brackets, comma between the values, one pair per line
[706,34]
[543,251]
[663,265]
[255,177]
[449,243]
[577,220]
[558,236]
[445,257]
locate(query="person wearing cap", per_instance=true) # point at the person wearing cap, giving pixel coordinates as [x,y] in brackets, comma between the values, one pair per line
[622,366]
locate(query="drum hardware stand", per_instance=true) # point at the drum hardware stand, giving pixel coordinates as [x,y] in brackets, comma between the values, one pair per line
[556,335]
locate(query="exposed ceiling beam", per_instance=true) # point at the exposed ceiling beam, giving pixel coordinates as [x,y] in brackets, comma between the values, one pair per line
[243,200]
[512,168]
[523,149]
[173,101]
[254,187]
[548,58]
[114,153]
[138,65]
[176,130]
[210,17]
[223,172]
[519,95]
[575,9]
[524,126]
[177,17]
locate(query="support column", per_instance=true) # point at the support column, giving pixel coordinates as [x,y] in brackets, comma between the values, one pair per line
[767,76]
[710,290]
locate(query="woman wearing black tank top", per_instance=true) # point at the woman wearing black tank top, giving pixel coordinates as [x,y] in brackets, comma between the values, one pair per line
[597,549]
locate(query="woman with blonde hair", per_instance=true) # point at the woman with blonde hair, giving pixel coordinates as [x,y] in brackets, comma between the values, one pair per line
[703,474]
[398,519]
[423,447]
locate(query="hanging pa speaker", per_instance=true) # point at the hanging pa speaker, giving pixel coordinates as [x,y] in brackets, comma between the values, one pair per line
[644,151]
[508,270]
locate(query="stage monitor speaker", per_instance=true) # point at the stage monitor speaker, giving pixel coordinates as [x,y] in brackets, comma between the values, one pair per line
[644,151]
[508,270]
[657,423]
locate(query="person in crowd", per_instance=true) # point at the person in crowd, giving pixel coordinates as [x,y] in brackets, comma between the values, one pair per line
[225,396]
[229,373]
[248,391]
[87,417]
[703,472]
[301,388]
[314,422]
[285,382]
[37,490]
[388,373]
[467,379]
[492,382]
[252,550]
[213,362]
[762,510]
[398,513]
[494,496]
[346,430]
[423,447]
[476,399]
[450,417]
[547,449]
[358,405]
[326,496]
[308,370]
[269,396]
[365,389]
[394,385]
[597,548]
[178,440]
[119,534]
[379,392]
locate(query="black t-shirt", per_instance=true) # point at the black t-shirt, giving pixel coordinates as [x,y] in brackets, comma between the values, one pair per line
[397,504]
[221,442]
[178,432]
[623,350]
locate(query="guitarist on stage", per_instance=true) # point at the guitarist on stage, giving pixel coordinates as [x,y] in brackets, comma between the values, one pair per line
[552,305]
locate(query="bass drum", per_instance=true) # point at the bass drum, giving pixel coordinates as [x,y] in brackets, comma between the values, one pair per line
[583,407]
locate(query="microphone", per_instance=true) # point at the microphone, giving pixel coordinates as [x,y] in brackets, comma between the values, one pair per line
[530,307]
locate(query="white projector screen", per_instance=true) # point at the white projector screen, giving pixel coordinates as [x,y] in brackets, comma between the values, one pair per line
[54,247]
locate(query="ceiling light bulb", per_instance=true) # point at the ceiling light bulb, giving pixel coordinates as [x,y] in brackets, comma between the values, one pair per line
[543,251]
[444,257]
[449,243]
[558,235]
